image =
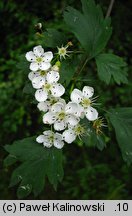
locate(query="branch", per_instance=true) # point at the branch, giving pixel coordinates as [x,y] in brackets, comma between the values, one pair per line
[110,8]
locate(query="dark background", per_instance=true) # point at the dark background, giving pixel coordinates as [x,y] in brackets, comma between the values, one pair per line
[89,173]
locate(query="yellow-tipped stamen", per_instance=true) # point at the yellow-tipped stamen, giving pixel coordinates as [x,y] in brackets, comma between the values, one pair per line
[98,124]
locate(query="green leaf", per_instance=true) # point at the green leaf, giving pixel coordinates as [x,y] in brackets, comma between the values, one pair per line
[9,160]
[89,27]
[67,70]
[53,38]
[28,88]
[121,119]
[110,65]
[37,162]
[91,139]
[23,64]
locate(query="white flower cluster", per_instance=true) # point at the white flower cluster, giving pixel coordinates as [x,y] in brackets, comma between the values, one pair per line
[63,116]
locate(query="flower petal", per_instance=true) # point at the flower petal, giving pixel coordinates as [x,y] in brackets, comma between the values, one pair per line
[59,125]
[41,95]
[38,82]
[72,108]
[91,114]
[61,100]
[88,91]
[48,133]
[57,90]
[48,56]
[49,118]
[44,106]
[30,56]
[48,144]
[69,136]
[80,112]
[44,65]
[76,96]
[38,50]
[33,74]
[57,107]
[34,66]
[52,77]
[72,120]
[58,143]
[40,139]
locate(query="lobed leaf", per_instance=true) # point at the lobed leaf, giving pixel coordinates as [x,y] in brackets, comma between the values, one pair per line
[89,27]
[37,162]
[121,119]
[110,65]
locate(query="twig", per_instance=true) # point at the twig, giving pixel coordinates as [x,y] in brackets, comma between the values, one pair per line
[110,8]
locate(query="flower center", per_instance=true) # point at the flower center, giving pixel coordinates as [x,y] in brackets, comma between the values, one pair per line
[53,101]
[62,51]
[61,116]
[79,130]
[51,139]
[47,87]
[86,102]
[39,59]
[42,73]
[97,125]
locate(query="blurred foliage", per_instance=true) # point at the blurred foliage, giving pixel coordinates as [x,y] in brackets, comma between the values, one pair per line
[89,173]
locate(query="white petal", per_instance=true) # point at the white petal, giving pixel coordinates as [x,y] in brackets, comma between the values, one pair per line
[72,120]
[38,50]
[30,56]
[61,100]
[40,139]
[44,65]
[57,90]
[80,112]
[49,118]
[41,95]
[52,77]
[57,107]
[72,108]
[44,106]
[91,114]
[48,144]
[34,66]
[59,125]
[76,96]
[58,143]
[48,133]
[69,136]
[38,82]
[48,56]
[33,74]
[88,91]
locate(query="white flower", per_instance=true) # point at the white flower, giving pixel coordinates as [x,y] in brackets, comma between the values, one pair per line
[62,51]
[39,59]
[42,73]
[62,115]
[46,105]
[40,79]
[49,87]
[50,139]
[84,99]
[72,132]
